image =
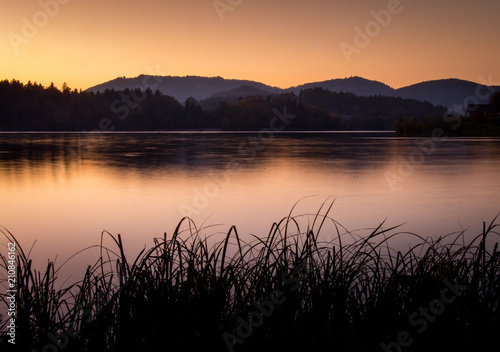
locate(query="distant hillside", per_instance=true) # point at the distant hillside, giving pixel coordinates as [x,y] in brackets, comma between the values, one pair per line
[356,85]
[243,91]
[446,92]
[232,96]
[182,88]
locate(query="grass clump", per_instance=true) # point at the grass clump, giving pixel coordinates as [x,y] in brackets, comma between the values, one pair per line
[287,290]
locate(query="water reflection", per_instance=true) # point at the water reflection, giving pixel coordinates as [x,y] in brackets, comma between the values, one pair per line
[64,189]
[186,151]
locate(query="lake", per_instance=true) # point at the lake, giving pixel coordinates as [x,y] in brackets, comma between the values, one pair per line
[61,190]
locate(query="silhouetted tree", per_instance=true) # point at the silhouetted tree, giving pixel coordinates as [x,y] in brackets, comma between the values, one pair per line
[495,99]
[193,113]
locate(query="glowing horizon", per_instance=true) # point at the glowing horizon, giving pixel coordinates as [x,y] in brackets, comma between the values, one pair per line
[281,44]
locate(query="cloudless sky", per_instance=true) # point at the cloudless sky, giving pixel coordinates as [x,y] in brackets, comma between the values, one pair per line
[278,42]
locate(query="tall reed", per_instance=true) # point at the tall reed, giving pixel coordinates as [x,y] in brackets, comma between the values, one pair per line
[190,292]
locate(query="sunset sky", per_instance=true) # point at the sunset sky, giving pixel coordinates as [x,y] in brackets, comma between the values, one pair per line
[278,42]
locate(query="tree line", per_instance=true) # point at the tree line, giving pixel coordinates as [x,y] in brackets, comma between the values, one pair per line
[479,123]
[33,107]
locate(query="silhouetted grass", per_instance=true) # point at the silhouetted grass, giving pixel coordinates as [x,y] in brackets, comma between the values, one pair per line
[189,292]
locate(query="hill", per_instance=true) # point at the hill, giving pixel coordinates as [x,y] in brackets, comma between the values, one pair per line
[182,88]
[243,91]
[445,92]
[448,92]
[356,85]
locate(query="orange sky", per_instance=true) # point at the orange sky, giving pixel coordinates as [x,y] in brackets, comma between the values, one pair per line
[278,42]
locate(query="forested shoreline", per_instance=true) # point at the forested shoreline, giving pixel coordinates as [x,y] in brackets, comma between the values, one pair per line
[33,107]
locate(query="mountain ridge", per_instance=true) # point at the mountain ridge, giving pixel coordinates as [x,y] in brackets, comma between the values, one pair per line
[453,93]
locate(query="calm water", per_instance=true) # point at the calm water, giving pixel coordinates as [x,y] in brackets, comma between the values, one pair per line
[63,190]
